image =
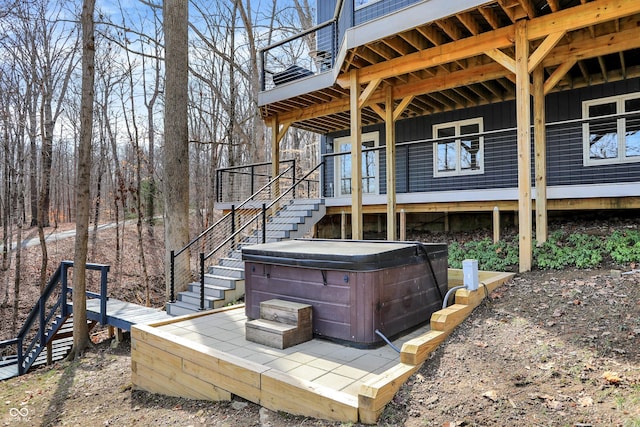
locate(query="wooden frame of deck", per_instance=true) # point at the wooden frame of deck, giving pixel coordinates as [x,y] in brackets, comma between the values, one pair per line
[164,363]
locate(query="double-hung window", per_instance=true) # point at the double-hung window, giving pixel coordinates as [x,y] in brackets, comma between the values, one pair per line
[611,130]
[458,148]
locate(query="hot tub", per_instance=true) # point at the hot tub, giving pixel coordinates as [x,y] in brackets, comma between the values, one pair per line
[355,287]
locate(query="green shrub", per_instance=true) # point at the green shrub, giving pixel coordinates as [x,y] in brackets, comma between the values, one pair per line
[579,250]
[624,246]
[499,256]
[576,250]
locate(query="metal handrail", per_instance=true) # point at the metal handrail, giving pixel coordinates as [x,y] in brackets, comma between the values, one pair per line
[261,215]
[46,319]
[234,171]
[174,255]
[264,207]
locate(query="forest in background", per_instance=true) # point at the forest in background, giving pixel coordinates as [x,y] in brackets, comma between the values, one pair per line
[40,94]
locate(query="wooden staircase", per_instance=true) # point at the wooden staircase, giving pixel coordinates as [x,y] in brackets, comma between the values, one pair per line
[47,333]
[282,324]
[57,344]
[224,283]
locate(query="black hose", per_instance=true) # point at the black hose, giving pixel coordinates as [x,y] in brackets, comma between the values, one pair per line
[433,273]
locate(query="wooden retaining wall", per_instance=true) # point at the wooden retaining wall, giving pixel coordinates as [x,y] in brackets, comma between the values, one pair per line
[172,365]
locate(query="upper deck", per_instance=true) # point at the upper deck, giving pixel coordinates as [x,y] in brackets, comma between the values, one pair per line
[441,55]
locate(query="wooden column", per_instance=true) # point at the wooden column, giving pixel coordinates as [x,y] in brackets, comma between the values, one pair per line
[275,154]
[523,116]
[356,159]
[390,150]
[540,144]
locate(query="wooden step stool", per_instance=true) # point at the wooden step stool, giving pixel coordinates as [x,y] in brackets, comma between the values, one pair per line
[282,324]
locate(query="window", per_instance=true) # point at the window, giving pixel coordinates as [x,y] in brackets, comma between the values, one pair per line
[362,3]
[611,132]
[458,149]
[369,165]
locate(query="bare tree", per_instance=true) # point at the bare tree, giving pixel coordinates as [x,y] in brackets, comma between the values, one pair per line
[83,203]
[176,137]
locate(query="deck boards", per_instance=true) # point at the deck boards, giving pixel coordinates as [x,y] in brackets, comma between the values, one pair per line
[122,314]
[9,371]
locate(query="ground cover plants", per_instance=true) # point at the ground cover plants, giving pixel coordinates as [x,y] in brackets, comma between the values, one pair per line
[561,250]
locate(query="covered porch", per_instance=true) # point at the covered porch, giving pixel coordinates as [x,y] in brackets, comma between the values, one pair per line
[447,56]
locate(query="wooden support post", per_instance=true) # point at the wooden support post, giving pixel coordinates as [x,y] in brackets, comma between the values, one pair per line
[49,353]
[390,151]
[496,224]
[275,155]
[343,225]
[356,159]
[540,144]
[403,225]
[446,222]
[523,117]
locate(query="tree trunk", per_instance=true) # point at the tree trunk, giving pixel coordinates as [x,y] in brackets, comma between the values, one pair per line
[176,151]
[83,189]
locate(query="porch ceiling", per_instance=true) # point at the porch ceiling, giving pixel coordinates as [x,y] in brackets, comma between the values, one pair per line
[466,60]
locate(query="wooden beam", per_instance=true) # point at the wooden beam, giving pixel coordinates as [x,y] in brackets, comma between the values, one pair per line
[275,154]
[523,118]
[368,91]
[582,46]
[378,110]
[390,152]
[401,106]
[545,47]
[570,19]
[503,59]
[450,52]
[585,15]
[356,158]
[582,49]
[557,75]
[540,144]
[283,131]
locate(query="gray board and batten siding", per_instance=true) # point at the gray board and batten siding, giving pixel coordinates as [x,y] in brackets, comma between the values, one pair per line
[414,162]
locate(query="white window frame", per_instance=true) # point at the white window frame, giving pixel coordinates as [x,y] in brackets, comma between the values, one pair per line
[364,3]
[619,100]
[370,136]
[458,170]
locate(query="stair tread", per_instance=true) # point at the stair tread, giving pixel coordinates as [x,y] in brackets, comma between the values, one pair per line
[270,325]
[183,304]
[217,276]
[197,295]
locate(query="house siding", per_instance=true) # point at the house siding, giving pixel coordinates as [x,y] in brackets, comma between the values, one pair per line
[414,167]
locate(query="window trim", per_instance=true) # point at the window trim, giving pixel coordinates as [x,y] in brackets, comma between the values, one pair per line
[368,3]
[619,101]
[369,136]
[458,171]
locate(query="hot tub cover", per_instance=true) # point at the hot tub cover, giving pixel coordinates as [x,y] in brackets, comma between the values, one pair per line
[351,255]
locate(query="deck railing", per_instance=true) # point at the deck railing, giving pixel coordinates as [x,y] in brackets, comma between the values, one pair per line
[314,50]
[236,184]
[49,312]
[252,228]
[243,224]
[580,151]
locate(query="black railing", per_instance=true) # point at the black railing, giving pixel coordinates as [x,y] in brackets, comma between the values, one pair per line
[49,313]
[182,261]
[242,181]
[250,231]
[282,61]
[241,226]
[315,50]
